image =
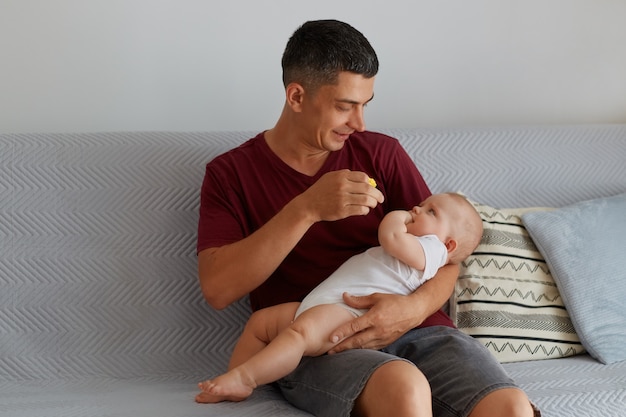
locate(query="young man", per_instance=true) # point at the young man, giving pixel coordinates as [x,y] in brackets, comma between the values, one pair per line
[281,212]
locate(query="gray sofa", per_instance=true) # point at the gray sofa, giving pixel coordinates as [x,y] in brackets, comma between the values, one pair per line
[100,310]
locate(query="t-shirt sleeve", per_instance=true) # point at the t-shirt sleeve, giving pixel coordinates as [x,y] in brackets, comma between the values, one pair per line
[220,220]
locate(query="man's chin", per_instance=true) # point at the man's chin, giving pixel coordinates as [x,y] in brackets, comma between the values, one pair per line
[336,145]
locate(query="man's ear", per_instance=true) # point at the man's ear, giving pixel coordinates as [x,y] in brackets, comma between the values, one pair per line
[295,96]
[451,245]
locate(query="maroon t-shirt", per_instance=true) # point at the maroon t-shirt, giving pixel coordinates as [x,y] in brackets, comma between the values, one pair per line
[246,186]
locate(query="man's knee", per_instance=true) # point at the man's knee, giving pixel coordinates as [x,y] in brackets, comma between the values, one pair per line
[397,388]
[507,402]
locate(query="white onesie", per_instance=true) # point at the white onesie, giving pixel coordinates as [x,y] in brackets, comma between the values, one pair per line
[376,271]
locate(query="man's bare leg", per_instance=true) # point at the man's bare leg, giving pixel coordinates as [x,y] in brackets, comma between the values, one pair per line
[506,402]
[396,388]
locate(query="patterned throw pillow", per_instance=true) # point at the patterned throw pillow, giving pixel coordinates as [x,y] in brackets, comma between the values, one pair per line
[505,295]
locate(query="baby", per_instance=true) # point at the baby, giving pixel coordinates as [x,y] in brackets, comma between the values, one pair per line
[414,244]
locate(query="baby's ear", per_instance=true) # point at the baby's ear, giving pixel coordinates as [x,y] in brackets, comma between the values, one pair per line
[451,245]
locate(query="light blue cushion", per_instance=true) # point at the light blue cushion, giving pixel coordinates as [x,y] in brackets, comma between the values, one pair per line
[585,247]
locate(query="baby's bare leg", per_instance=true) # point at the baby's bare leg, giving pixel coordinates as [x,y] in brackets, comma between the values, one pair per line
[262,327]
[309,335]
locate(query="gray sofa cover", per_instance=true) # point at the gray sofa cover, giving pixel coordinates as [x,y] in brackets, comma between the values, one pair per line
[100,310]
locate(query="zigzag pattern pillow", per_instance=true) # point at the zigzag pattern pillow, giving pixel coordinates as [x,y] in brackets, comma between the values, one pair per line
[506,297]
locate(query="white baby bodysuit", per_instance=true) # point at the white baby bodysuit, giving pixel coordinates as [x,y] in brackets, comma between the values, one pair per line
[376,271]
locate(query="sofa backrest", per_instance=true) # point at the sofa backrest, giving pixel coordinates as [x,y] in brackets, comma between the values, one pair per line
[97,235]
[521,166]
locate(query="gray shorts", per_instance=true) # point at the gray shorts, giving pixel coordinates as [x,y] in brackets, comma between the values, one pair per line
[459,369]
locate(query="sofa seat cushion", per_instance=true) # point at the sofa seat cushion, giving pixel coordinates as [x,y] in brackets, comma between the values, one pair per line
[573,387]
[148,397]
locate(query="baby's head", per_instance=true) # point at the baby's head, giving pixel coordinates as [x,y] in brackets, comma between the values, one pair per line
[466,228]
[453,219]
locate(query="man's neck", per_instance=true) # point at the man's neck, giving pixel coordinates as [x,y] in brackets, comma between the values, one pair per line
[294,151]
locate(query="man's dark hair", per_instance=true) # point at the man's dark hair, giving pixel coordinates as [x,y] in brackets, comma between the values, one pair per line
[318,50]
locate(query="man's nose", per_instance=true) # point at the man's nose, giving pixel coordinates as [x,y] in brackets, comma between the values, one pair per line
[357,121]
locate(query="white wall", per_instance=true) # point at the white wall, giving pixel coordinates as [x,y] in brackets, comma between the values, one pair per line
[97,65]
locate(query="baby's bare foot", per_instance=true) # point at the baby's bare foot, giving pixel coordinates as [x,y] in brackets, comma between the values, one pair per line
[206,398]
[227,387]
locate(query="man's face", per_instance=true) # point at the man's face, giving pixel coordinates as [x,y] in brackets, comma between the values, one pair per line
[334,112]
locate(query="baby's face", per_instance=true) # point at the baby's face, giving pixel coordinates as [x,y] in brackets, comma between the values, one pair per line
[433,217]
